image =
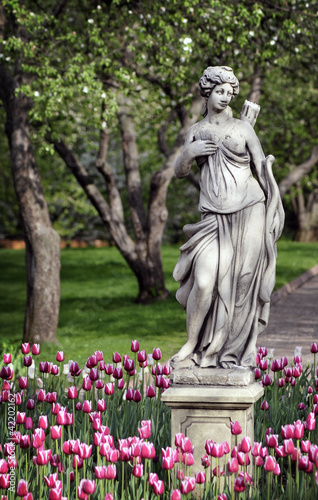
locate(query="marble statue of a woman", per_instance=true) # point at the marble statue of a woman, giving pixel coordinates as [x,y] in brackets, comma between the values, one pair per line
[226,268]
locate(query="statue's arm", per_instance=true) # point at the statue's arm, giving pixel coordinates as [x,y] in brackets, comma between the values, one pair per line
[257,156]
[191,150]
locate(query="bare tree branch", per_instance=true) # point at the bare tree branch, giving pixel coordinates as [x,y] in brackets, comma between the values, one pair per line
[298,172]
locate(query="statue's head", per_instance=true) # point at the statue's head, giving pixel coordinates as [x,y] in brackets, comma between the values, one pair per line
[216,75]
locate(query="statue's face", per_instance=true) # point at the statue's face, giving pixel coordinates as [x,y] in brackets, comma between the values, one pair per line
[220,97]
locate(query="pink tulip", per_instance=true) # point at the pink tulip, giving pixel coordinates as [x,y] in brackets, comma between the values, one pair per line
[168,463]
[187,485]
[3,466]
[51,480]
[7,358]
[151,391]
[22,488]
[156,354]
[87,406]
[109,496]
[263,364]
[116,357]
[137,470]
[25,348]
[92,361]
[60,356]
[4,481]
[88,486]
[101,405]
[158,487]
[72,392]
[111,472]
[99,384]
[287,431]
[152,478]
[118,372]
[243,458]
[289,446]
[200,477]
[100,471]
[87,384]
[270,463]
[6,373]
[142,356]
[217,450]
[246,445]
[75,371]
[276,365]
[109,389]
[272,440]
[148,450]
[134,346]
[55,494]
[178,439]
[36,349]
[54,370]
[43,457]
[137,396]
[175,495]
[85,450]
[43,422]
[109,369]
[239,484]
[259,461]
[28,424]
[303,462]
[299,430]
[310,422]
[77,462]
[56,432]
[233,465]
[205,461]
[25,442]
[21,416]
[314,348]
[280,451]
[186,445]
[236,428]
[93,374]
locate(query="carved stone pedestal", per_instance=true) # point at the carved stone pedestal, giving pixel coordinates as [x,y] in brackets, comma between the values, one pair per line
[204,412]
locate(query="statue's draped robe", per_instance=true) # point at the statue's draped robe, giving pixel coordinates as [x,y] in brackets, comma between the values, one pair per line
[243,229]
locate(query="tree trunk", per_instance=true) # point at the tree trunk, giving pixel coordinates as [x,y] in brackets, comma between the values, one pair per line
[307,214]
[42,242]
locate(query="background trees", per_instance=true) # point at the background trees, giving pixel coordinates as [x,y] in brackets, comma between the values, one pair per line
[111,89]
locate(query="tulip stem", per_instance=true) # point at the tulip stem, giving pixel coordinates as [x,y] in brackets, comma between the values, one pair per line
[122,479]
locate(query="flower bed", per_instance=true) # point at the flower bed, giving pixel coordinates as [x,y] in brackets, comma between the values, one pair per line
[102,432]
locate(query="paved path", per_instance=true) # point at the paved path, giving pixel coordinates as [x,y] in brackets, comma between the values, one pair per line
[293,321]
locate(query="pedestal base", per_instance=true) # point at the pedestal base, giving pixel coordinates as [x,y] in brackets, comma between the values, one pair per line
[205,412]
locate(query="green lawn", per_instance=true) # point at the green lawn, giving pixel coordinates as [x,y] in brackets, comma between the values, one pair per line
[97,301]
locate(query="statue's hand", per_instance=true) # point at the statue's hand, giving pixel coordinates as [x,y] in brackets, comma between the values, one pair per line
[201,148]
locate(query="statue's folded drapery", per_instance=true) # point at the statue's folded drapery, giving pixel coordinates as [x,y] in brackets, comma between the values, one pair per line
[243,230]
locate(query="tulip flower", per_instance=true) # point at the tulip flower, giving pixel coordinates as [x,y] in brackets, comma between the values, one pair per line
[239,484]
[236,428]
[121,383]
[27,360]
[99,384]
[36,349]
[299,430]
[51,397]
[87,383]
[41,395]
[22,488]
[287,431]
[158,487]
[54,370]
[246,445]
[233,465]
[56,431]
[6,373]
[109,389]
[85,450]
[186,445]
[272,440]
[118,372]
[74,369]
[205,461]
[93,374]
[111,472]
[116,357]
[134,346]
[3,466]
[7,358]
[147,450]
[200,477]
[276,365]
[101,405]
[187,485]
[151,391]
[137,470]
[87,406]
[51,480]
[25,442]
[109,496]
[88,486]
[314,348]
[100,471]
[43,422]
[175,495]
[28,424]
[109,369]
[92,361]
[72,392]
[142,356]
[25,348]
[137,396]
[269,464]
[43,457]
[152,478]
[264,405]
[156,354]
[21,417]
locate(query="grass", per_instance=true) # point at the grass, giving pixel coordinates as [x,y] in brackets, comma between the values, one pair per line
[97,301]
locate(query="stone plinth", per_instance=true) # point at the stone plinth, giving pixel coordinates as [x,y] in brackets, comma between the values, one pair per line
[204,412]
